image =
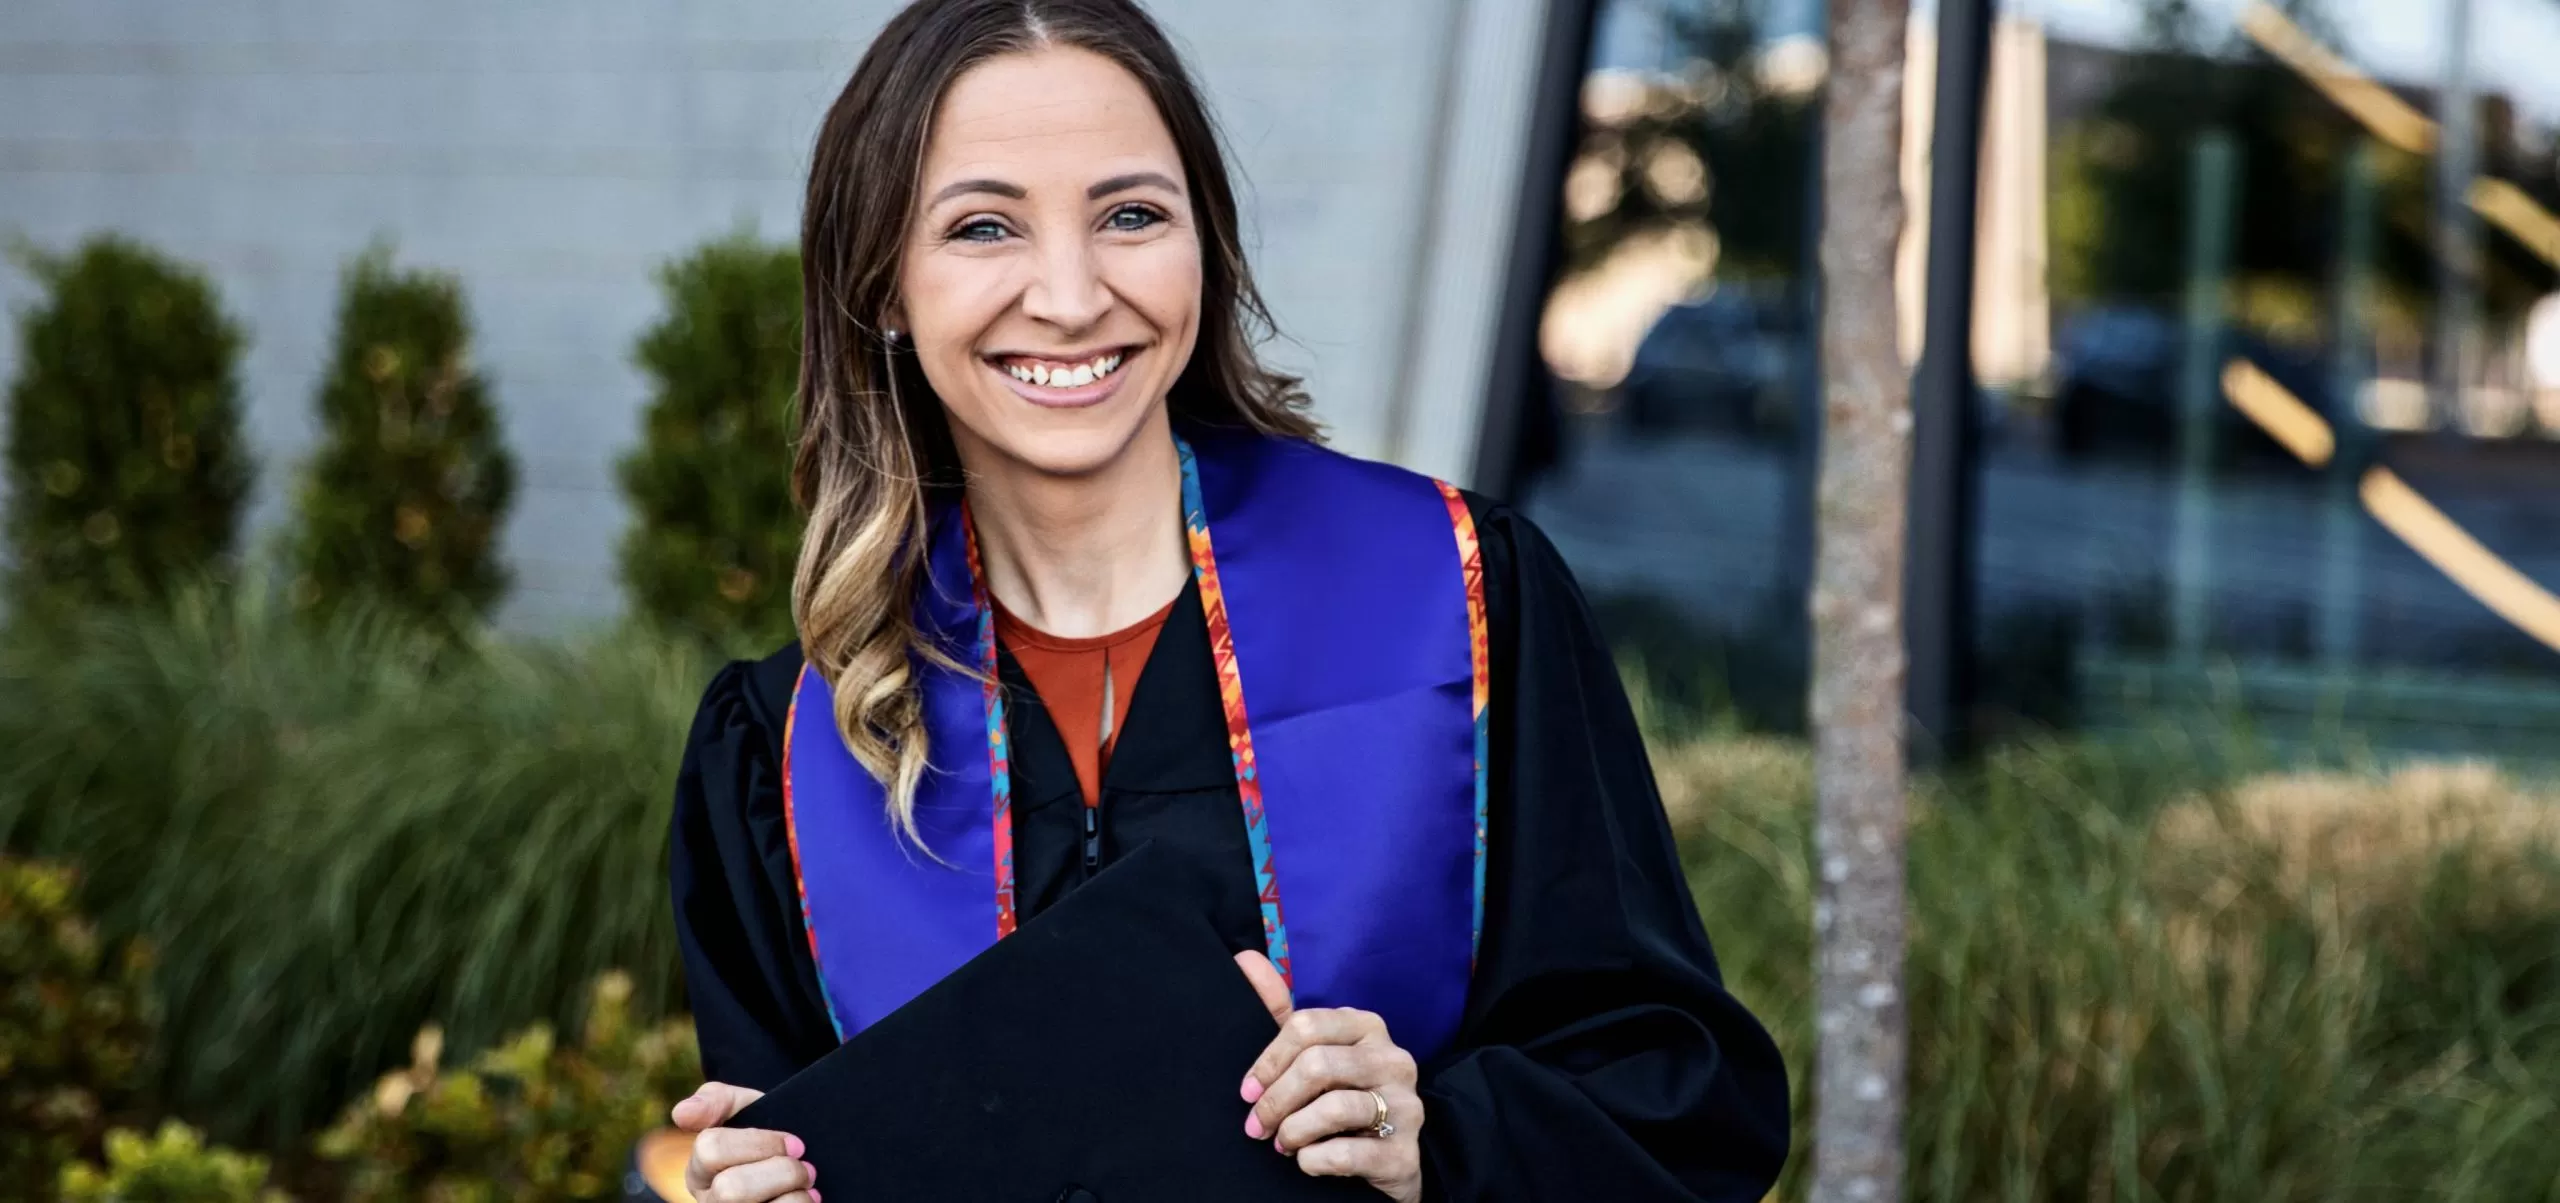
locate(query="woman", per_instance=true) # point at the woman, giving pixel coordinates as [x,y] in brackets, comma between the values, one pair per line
[1073,546]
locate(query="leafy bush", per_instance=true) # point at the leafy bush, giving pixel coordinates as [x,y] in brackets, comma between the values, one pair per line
[74,1027]
[716,535]
[126,471]
[404,500]
[530,1119]
[171,1167]
[328,813]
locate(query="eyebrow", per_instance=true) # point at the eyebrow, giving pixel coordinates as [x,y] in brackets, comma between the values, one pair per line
[965,187]
[1135,179]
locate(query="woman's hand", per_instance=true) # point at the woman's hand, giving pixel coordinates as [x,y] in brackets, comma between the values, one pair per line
[1315,1092]
[740,1165]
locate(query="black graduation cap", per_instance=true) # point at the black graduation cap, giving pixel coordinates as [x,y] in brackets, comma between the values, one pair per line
[1091,1057]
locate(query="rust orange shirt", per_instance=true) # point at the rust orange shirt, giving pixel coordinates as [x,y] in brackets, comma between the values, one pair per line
[1084,684]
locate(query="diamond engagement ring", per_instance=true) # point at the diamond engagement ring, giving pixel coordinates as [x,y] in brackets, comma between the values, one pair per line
[1379,1127]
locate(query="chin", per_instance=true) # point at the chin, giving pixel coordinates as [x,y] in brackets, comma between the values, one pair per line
[1072,442]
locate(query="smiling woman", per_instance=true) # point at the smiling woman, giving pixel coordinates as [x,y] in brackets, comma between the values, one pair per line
[1078,577]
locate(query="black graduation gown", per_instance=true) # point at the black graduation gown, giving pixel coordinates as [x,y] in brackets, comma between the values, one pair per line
[1599,1056]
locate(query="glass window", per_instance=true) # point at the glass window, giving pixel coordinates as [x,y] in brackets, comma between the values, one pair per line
[2266,334]
[2275,430]
[1673,469]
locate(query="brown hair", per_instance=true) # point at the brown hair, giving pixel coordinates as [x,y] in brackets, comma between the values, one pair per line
[873,439]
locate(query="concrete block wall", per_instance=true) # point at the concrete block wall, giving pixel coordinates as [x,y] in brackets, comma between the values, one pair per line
[554,153]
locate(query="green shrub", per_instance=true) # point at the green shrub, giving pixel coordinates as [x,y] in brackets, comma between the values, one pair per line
[715,534]
[406,496]
[331,813]
[74,1027]
[173,1167]
[528,1120]
[126,471]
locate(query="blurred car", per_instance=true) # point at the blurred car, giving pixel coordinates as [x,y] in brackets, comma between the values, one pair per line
[2116,387]
[1722,364]
[1736,363]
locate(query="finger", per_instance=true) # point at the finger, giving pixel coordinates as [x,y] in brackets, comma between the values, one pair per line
[1268,983]
[1306,1029]
[1335,1113]
[1366,1157]
[1326,1068]
[720,1149]
[762,1181]
[711,1105]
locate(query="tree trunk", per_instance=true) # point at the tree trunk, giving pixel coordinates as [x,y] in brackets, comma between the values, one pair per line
[1857,703]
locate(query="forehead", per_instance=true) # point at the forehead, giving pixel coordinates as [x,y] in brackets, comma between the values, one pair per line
[1055,109]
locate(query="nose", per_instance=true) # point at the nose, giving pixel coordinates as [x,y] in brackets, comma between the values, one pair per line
[1067,290]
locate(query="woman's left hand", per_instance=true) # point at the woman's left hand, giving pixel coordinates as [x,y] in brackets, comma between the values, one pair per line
[1315,1091]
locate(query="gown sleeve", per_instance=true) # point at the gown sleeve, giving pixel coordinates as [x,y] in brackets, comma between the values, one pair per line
[749,977]
[1600,1056]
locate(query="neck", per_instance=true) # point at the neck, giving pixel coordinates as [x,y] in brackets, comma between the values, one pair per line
[1084,555]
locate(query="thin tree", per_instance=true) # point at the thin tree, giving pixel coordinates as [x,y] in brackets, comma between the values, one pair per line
[1857,692]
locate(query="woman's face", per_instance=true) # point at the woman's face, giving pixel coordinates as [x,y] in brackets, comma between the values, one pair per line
[1052,273]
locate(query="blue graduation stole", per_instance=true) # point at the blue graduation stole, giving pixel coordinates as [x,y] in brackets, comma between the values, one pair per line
[1346,616]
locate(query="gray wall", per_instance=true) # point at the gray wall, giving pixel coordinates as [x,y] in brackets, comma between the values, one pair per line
[553,152]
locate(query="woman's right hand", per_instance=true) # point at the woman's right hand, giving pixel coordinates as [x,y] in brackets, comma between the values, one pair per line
[740,1165]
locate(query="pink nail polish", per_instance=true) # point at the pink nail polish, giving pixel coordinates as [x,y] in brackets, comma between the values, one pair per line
[810,1170]
[1253,1126]
[1275,1147]
[791,1144]
[1251,1090]
[813,1195]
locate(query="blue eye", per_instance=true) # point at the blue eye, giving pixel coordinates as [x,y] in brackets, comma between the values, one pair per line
[984,229]
[1132,218]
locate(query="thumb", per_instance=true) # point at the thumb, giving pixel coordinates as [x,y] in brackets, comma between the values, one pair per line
[1267,983]
[711,1105]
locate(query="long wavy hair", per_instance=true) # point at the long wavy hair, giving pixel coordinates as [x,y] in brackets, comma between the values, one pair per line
[875,450]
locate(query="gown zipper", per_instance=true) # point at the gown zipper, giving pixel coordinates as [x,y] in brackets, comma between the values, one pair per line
[1093,838]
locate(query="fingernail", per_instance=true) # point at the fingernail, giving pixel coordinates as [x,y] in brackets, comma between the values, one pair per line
[1251,1090]
[1253,1126]
[810,1170]
[791,1144]
[813,1195]
[1275,1147]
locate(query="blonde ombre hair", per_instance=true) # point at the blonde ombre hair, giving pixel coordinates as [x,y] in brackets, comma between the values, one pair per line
[875,451]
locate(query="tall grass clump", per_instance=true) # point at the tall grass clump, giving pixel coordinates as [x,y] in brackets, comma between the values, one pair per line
[337,831]
[2127,982]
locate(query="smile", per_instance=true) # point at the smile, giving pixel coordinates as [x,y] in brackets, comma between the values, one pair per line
[1086,380]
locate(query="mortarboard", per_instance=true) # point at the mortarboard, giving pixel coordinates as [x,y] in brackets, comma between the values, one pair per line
[1091,1057]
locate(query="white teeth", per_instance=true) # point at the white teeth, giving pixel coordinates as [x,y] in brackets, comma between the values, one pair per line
[1062,376]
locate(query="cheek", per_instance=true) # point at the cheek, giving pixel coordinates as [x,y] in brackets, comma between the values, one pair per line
[952,297]
[1162,282]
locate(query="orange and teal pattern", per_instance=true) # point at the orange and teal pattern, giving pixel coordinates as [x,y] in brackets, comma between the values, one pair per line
[999,743]
[1222,649]
[800,880]
[1479,645]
